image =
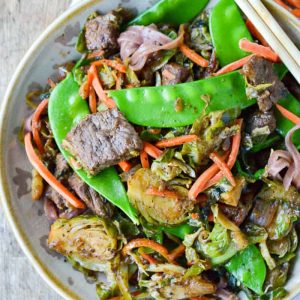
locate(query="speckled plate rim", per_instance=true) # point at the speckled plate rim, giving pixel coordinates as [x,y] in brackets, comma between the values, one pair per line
[5,198]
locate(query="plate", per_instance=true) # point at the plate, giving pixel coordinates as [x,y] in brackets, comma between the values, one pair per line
[55,46]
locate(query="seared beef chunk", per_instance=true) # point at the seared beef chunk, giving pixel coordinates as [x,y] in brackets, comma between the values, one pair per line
[61,172]
[91,198]
[213,65]
[102,32]
[260,71]
[102,140]
[261,124]
[239,213]
[173,73]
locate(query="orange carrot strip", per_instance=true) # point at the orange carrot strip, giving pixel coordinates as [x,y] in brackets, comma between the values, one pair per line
[111,63]
[236,141]
[162,193]
[144,159]
[295,3]
[223,167]
[35,124]
[296,12]
[193,56]
[256,33]
[125,166]
[149,258]
[92,101]
[177,252]
[176,141]
[95,54]
[260,50]
[233,66]
[46,174]
[142,242]
[287,114]
[152,150]
[99,89]
[201,183]
[119,81]
[281,3]
[211,217]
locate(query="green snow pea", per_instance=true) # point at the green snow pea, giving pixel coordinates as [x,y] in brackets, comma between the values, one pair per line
[249,268]
[170,11]
[66,109]
[227,27]
[156,106]
[180,230]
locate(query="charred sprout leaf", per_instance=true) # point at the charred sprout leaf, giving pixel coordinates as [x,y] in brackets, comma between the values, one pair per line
[277,277]
[132,77]
[127,227]
[269,142]
[267,256]
[212,131]
[253,274]
[105,291]
[91,276]
[197,268]
[145,135]
[89,240]
[107,77]
[171,169]
[81,43]
[165,56]
[123,281]
[277,294]
[79,75]
[233,196]
[255,234]
[157,209]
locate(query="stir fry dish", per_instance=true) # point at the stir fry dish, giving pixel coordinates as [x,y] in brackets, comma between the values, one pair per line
[168,157]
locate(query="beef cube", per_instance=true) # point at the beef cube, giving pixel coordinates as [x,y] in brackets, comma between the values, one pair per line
[102,140]
[260,71]
[61,166]
[102,32]
[173,73]
[91,198]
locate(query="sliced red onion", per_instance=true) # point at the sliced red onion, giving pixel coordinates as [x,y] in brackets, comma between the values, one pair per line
[50,210]
[71,213]
[282,159]
[27,124]
[137,44]
[226,295]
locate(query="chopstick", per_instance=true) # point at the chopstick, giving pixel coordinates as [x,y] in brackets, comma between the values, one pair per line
[273,33]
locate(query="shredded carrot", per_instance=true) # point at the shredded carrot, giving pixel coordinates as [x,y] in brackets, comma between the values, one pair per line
[35,124]
[95,54]
[92,101]
[194,216]
[99,89]
[47,176]
[125,166]
[144,159]
[236,141]
[162,193]
[193,56]
[111,63]
[234,66]
[201,183]
[287,114]
[281,3]
[223,167]
[177,252]
[119,81]
[253,30]
[296,12]
[152,150]
[211,217]
[149,258]
[176,141]
[295,3]
[142,242]
[259,50]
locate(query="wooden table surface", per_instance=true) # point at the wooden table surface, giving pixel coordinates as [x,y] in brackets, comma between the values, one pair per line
[21,22]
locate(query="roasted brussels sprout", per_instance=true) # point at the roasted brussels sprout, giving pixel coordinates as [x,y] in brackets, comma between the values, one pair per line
[88,240]
[157,209]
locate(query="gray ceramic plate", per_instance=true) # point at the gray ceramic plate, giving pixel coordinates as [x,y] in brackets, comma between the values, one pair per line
[55,46]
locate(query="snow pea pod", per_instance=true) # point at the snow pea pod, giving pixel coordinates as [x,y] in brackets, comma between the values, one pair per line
[248,267]
[170,11]
[66,109]
[156,106]
[227,27]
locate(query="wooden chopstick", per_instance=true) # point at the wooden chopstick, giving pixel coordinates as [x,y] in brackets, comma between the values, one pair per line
[273,33]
